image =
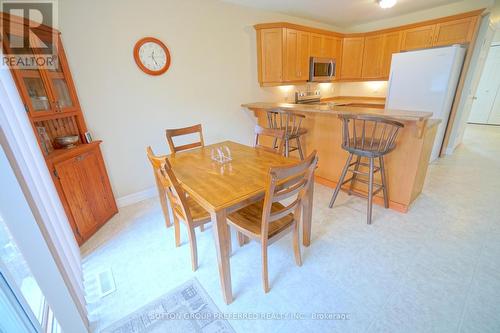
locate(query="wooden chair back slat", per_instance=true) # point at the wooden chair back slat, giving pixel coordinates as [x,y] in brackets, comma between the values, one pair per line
[285,211]
[175,132]
[178,196]
[289,191]
[296,177]
[289,122]
[277,135]
[156,161]
[374,139]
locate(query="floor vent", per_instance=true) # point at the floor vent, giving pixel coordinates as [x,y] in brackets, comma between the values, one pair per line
[106,282]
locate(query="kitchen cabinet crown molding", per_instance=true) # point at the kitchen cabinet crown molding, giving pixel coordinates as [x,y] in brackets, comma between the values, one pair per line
[297,27]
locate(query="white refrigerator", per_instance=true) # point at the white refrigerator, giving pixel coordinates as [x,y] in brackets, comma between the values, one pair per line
[426,80]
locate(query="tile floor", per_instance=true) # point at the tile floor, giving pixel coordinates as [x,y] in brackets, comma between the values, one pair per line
[435,269]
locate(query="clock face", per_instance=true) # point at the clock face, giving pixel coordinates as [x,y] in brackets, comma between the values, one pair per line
[152,56]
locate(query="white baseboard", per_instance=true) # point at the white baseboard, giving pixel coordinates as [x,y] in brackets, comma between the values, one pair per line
[136,197]
[449,151]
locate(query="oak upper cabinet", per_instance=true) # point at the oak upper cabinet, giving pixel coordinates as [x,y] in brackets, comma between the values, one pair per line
[378,53]
[372,57]
[317,47]
[352,58]
[284,49]
[392,44]
[326,46]
[454,32]
[270,55]
[82,179]
[417,38]
[296,59]
[333,49]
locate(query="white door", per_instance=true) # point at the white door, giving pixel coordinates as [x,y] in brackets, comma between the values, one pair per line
[487,90]
[494,118]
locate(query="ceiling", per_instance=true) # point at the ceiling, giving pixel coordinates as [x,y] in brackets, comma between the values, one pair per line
[341,13]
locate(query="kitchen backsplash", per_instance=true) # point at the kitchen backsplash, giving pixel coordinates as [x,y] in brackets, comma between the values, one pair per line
[362,89]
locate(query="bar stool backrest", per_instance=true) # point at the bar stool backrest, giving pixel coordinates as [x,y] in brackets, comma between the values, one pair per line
[367,135]
[283,120]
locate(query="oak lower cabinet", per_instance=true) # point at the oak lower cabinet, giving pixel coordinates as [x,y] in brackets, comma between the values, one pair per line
[352,58]
[86,191]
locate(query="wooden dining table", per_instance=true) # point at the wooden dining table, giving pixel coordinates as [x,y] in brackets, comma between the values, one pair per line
[222,188]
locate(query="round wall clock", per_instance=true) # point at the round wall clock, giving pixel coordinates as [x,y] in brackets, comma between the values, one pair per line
[152,56]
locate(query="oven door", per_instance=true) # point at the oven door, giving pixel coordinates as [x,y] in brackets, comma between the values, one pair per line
[321,69]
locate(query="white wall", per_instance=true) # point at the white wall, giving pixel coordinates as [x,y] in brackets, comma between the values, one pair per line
[496,37]
[213,71]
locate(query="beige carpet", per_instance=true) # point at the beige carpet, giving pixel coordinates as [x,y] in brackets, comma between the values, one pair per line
[187,308]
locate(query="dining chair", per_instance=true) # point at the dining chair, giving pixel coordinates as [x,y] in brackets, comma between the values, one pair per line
[291,123]
[184,208]
[268,220]
[156,162]
[176,132]
[277,135]
[372,138]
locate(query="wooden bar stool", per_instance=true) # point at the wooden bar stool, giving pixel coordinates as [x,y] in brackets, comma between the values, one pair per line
[277,135]
[291,124]
[369,137]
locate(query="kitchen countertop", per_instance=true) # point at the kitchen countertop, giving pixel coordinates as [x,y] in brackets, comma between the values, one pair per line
[338,106]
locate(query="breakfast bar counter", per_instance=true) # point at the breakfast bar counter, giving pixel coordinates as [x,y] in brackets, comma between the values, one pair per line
[406,165]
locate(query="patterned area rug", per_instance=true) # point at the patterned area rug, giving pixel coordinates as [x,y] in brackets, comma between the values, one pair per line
[187,308]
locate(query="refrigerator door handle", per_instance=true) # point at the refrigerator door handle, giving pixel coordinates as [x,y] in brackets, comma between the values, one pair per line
[387,98]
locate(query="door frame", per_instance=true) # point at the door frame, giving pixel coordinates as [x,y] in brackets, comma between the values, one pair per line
[48,240]
[497,88]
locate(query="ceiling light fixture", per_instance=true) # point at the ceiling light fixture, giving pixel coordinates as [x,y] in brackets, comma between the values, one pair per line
[386,3]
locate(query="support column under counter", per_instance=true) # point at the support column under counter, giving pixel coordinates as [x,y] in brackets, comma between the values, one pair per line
[406,165]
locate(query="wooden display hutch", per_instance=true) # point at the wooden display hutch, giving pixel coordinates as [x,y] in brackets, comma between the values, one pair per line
[51,102]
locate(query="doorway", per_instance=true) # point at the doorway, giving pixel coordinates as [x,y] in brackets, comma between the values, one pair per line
[486,105]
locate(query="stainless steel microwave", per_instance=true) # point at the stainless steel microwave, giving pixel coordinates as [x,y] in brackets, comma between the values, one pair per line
[321,69]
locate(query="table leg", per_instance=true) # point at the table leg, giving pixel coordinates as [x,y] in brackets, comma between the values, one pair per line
[307,209]
[222,245]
